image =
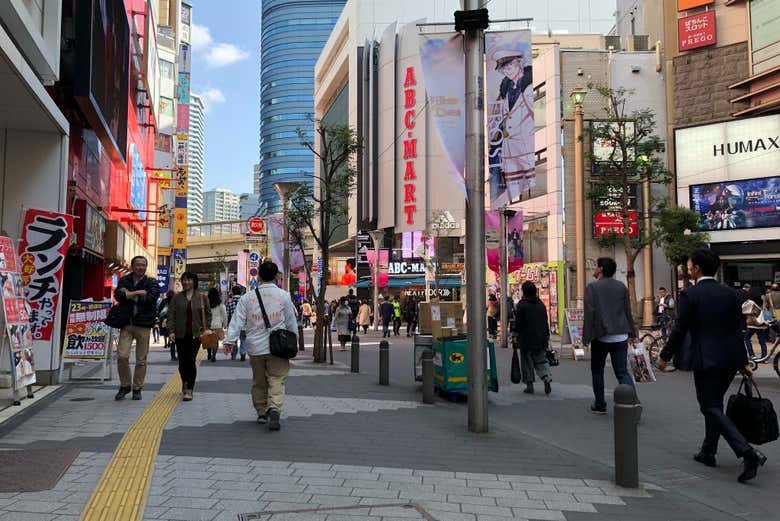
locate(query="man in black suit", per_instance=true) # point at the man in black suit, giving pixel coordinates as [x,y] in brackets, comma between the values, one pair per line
[711,314]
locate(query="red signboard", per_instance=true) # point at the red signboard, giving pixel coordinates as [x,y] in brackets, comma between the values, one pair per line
[696,31]
[607,222]
[8,260]
[42,250]
[255,225]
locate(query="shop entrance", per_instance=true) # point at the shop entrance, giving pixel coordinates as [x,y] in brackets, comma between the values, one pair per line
[757,273]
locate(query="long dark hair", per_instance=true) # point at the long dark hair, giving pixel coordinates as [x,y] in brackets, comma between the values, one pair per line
[214,297]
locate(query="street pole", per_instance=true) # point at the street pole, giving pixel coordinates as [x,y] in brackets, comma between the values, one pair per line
[504,281]
[579,206]
[647,256]
[474,43]
[376,236]
[284,190]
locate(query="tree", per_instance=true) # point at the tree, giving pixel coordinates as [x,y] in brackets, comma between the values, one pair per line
[627,153]
[677,233]
[319,211]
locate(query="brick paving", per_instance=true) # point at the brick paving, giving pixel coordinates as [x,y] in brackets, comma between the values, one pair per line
[350,449]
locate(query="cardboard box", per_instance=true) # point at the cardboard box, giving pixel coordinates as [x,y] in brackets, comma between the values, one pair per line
[437,315]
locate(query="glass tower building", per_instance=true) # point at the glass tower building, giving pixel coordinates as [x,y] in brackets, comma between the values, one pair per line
[292,36]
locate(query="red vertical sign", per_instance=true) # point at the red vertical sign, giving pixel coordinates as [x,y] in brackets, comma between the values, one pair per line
[42,250]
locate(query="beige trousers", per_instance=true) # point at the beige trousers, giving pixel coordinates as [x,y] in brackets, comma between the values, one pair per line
[268,375]
[126,337]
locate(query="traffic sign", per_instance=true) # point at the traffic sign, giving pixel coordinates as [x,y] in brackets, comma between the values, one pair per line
[254,256]
[255,225]
[253,272]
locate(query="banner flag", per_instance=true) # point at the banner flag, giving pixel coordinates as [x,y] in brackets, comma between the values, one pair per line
[514,241]
[509,98]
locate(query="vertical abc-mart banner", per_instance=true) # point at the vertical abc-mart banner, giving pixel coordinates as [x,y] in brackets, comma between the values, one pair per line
[86,334]
[42,249]
[509,104]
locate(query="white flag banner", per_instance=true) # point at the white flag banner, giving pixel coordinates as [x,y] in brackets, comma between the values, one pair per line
[509,98]
[444,66]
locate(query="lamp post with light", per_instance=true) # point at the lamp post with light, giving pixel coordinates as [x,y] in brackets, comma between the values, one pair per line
[376,236]
[284,190]
[578,97]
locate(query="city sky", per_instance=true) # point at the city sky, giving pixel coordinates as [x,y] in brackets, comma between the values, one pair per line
[225,71]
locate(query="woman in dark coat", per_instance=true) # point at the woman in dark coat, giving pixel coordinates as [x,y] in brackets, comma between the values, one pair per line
[532,334]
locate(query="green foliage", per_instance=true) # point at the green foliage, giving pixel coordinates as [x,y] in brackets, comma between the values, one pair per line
[677,231]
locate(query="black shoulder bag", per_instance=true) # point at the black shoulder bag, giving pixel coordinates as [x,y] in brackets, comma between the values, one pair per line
[281,342]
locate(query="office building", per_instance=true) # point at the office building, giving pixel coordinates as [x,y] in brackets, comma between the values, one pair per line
[248,206]
[293,34]
[197,145]
[220,204]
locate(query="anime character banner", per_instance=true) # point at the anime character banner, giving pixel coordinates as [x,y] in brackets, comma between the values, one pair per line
[17,315]
[509,104]
[276,238]
[42,250]
[443,64]
[733,205]
[514,241]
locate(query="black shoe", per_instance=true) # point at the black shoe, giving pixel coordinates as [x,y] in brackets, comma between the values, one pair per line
[547,387]
[273,420]
[214,358]
[598,409]
[243,358]
[751,462]
[705,459]
[262,419]
[136,394]
[123,391]
[529,389]
[30,395]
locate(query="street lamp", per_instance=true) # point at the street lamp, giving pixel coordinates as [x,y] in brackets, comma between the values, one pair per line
[376,236]
[578,97]
[503,271]
[648,302]
[284,190]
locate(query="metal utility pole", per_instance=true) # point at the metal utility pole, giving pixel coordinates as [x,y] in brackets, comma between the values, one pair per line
[503,267]
[376,236]
[578,96]
[284,190]
[473,21]
[648,301]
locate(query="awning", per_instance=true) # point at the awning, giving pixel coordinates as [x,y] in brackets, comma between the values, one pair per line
[400,282]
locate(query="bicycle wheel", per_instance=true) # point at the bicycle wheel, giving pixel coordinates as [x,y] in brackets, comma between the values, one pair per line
[777,364]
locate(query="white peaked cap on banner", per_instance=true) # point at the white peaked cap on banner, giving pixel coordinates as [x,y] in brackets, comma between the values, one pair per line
[504,56]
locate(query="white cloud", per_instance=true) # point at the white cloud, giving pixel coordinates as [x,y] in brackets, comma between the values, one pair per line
[200,37]
[224,54]
[212,96]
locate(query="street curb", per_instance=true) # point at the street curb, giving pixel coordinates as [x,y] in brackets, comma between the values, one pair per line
[16,419]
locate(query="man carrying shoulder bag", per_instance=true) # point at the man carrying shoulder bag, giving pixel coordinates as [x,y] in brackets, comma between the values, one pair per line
[268,370]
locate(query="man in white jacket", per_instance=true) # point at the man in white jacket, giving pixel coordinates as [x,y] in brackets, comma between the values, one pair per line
[268,371]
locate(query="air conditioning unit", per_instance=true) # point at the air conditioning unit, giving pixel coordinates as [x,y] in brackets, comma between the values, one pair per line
[641,42]
[612,43]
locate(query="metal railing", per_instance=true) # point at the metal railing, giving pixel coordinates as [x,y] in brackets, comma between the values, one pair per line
[216,228]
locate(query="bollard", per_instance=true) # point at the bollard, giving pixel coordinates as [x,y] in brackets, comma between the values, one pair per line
[627,413]
[384,363]
[355,362]
[301,346]
[427,376]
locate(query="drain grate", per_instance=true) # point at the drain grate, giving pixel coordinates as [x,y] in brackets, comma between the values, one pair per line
[82,399]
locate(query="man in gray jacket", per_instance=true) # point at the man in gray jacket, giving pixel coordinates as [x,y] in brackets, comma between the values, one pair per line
[608,327]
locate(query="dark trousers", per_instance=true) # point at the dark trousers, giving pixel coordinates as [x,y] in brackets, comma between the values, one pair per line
[385,327]
[172,346]
[396,325]
[711,386]
[411,326]
[492,326]
[761,334]
[618,354]
[188,348]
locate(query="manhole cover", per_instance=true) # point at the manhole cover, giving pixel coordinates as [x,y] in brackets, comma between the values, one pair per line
[82,399]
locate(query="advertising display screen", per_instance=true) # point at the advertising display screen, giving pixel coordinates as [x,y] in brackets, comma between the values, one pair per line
[734,205]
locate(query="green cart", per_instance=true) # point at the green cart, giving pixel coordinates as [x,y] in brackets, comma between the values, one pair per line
[450,367]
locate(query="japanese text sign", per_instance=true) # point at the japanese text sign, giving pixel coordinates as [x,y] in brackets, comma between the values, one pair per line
[86,335]
[42,250]
[605,222]
[696,31]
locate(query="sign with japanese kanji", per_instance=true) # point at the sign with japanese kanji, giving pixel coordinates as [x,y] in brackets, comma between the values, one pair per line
[86,335]
[256,225]
[8,260]
[696,31]
[605,222]
[180,228]
[42,250]
[182,184]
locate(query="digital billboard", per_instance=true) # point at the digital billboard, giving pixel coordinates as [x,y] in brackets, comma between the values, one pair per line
[734,205]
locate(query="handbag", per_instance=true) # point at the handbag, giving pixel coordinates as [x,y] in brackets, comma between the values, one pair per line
[208,340]
[753,416]
[116,317]
[281,342]
[552,357]
[516,375]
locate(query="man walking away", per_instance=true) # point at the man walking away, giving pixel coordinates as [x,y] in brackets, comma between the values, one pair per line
[607,328]
[306,312]
[230,307]
[532,333]
[665,310]
[137,297]
[396,316]
[773,298]
[711,314]
[386,314]
[410,315]
[268,371]
[354,306]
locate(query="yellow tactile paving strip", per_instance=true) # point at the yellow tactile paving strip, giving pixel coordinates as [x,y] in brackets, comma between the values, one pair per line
[120,495]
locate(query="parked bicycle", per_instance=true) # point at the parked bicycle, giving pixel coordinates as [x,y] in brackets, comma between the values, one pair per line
[655,340]
[772,352]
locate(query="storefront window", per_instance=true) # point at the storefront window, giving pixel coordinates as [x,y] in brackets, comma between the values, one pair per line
[540,107]
[535,239]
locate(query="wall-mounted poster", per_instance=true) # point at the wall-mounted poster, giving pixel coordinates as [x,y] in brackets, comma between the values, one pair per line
[734,205]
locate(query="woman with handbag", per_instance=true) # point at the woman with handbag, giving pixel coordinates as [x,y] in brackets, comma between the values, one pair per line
[218,320]
[756,325]
[532,334]
[188,315]
[342,319]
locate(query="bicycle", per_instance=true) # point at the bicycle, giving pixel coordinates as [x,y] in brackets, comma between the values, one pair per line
[772,352]
[656,343]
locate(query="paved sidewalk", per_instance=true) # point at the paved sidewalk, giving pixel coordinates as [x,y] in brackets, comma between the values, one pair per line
[351,449]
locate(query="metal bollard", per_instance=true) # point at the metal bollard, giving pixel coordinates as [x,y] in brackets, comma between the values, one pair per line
[427,376]
[627,413]
[301,346]
[355,362]
[384,363]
